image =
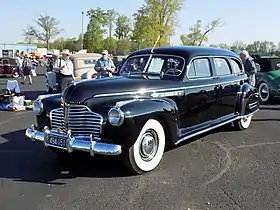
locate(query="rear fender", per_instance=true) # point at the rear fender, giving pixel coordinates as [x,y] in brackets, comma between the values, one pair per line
[248,100]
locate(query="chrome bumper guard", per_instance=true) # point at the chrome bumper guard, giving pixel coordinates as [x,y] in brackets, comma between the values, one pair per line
[85,144]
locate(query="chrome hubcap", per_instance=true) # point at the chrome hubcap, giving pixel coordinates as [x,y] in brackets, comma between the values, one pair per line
[148,145]
[264,92]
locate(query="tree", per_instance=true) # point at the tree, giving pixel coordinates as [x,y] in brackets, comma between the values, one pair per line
[123,47]
[123,27]
[111,44]
[111,17]
[198,34]
[93,38]
[157,18]
[238,45]
[140,34]
[47,29]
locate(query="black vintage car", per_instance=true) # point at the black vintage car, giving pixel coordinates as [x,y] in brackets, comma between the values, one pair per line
[161,97]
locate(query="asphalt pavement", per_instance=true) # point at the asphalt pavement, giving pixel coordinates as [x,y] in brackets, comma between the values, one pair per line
[224,169]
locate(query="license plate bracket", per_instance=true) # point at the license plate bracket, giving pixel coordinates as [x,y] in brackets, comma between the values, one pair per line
[57,141]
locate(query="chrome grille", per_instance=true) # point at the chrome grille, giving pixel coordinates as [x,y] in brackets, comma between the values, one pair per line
[77,118]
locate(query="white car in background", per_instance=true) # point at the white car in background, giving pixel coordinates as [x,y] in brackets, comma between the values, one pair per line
[83,69]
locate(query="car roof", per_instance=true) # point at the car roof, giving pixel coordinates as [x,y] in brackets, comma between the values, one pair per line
[186,51]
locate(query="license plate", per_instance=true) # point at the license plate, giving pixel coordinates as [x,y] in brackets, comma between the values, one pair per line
[58,141]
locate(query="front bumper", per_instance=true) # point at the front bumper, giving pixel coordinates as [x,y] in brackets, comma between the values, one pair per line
[85,144]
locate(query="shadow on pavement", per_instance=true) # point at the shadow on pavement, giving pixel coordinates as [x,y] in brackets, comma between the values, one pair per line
[25,161]
[270,108]
[265,120]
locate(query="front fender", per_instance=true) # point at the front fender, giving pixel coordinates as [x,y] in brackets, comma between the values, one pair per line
[137,113]
[50,102]
[248,100]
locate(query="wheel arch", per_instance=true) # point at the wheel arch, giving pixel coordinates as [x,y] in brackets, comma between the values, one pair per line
[163,110]
[248,100]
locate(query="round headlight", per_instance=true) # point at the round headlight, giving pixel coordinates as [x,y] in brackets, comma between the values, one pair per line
[38,107]
[115,116]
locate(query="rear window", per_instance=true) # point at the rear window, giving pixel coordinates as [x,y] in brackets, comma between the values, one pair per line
[236,66]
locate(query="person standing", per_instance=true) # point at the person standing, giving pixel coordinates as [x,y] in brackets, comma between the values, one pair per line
[26,68]
[65,71]
[19,61]
[249,66]
[105,65]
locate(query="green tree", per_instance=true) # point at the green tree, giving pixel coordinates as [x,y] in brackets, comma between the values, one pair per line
[111,44]
[198,34]
[46,29]
[157,18]
[123,47]
[140,34]
[93,38]
[123,27]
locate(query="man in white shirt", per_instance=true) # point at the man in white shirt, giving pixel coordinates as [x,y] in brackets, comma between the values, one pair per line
[66,71]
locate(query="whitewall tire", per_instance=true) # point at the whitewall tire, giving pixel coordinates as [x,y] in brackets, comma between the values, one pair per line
[263,92]
[243,123]
[147,151]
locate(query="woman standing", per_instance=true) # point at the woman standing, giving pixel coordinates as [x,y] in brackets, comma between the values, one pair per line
[26,67]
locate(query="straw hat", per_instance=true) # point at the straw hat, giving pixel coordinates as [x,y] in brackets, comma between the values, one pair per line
[105,52]
[65,52]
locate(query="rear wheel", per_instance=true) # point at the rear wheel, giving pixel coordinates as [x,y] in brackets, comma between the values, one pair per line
[243,123]
[147,151]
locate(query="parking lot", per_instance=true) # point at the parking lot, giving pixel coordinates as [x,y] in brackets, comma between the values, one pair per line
[224,169]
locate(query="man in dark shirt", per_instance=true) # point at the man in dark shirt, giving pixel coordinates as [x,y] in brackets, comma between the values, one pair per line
[249,66]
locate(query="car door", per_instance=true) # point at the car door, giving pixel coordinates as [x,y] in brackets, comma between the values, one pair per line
[200,97]
[229,75]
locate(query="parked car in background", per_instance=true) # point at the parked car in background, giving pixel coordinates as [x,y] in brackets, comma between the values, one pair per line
[267,77]
[159,98]
[119,60]
[83,67]
[8,67]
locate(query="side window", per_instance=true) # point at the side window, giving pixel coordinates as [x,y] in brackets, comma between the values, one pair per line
[236,67]
[221,66]
[199,68]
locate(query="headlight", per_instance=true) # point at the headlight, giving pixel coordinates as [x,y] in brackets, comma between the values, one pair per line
[38,107]
[115,116]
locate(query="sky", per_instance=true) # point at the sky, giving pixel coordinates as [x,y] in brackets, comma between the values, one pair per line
[245,20]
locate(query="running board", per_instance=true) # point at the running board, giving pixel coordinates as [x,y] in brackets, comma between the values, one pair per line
[213,127]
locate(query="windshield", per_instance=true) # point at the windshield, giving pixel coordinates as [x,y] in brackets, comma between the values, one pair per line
[155,64]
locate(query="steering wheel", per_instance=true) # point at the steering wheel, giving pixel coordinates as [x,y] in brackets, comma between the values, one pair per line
[173,71]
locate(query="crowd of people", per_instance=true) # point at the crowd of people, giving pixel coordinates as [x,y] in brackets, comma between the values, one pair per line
[27,65]
[64,68]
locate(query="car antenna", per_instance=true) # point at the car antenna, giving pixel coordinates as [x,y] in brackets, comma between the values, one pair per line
[161,32]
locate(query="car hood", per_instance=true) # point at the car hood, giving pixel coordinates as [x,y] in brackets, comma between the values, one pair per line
[80,91]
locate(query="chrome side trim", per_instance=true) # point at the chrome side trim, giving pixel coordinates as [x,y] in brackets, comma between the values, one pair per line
[143,91]
[214,127]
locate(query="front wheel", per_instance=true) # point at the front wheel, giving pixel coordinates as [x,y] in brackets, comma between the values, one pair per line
[243,123]
[147,151]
